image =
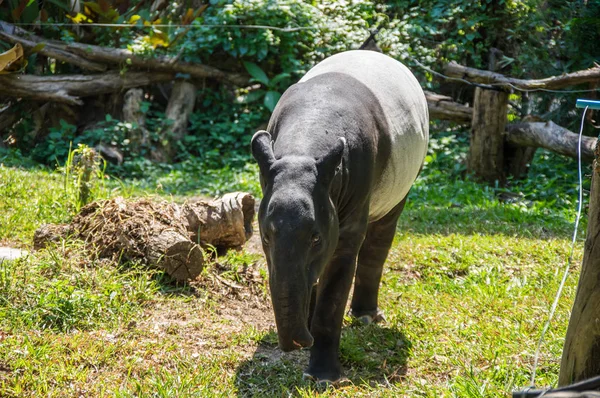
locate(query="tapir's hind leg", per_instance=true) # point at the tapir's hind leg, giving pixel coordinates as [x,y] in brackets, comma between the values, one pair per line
[371,258]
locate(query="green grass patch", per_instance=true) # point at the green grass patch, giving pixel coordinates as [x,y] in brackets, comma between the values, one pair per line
[466,290]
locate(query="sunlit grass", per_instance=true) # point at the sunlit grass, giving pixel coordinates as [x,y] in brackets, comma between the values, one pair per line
[466,290]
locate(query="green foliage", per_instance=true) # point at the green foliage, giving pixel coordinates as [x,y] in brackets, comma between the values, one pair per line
[84,176]
[271,97]
[538,39]
[63,294]
[55,149]
[30,198]
[446,200]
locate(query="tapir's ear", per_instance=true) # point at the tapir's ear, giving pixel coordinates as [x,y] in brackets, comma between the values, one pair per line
[328,164]
[262,150]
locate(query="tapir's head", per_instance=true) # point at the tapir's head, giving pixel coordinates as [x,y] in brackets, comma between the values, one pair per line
[299,230]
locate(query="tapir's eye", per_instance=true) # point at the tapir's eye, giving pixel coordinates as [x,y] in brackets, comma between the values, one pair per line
[316,239]
[265,239]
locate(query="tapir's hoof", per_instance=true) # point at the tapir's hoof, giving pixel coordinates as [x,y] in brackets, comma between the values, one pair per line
[368,318]
[325,382]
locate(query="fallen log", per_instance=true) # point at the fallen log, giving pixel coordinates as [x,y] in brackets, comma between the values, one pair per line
[116,56]
[224,222]
[158,234]
[455,70]
[158,64]
[68,88]
[176,254]
[550,136]
[442,107]
[53,52]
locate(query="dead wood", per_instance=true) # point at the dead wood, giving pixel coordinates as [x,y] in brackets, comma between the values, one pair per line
[180,107]
[159,64]
[132,113]
[551,136]
[176,254]
[54,52]
[486,150]
[224,223]
[116,56]
[499,80]
[147,231]
[158,233]
[8,117]
[444,108]
[68,88]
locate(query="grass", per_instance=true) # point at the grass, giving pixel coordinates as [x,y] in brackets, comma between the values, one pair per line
[467,288]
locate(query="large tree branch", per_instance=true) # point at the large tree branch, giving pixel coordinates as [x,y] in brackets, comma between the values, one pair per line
[160,64]
[553,82]
[552,137]
[117,56]
[442,107]
[53,52]
[68,88]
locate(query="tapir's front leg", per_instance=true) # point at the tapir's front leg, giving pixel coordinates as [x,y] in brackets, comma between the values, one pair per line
[333,289]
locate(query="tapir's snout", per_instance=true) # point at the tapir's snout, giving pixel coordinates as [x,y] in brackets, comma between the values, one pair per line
[302,339]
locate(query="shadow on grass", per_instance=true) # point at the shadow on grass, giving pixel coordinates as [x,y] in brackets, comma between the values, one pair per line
[371,355]
[495,220]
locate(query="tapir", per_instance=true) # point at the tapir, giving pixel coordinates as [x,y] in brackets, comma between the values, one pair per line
[341,151]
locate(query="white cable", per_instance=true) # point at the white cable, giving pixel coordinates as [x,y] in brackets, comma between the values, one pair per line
[564,278]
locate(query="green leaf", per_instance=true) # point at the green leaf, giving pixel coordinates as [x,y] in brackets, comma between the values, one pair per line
[256,72]
[38,47]
[61,4]
[271,99]
[279,78]
[253,96]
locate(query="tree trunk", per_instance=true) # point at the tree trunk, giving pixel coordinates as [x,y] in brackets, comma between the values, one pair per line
[180,106]
[132,113]
[517,160]
[8,117]
[581,352]
[486,151]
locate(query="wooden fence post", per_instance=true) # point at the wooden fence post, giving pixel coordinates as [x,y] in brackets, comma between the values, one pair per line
[486,150]
[581,352]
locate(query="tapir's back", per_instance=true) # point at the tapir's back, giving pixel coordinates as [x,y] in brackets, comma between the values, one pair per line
[405,108]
